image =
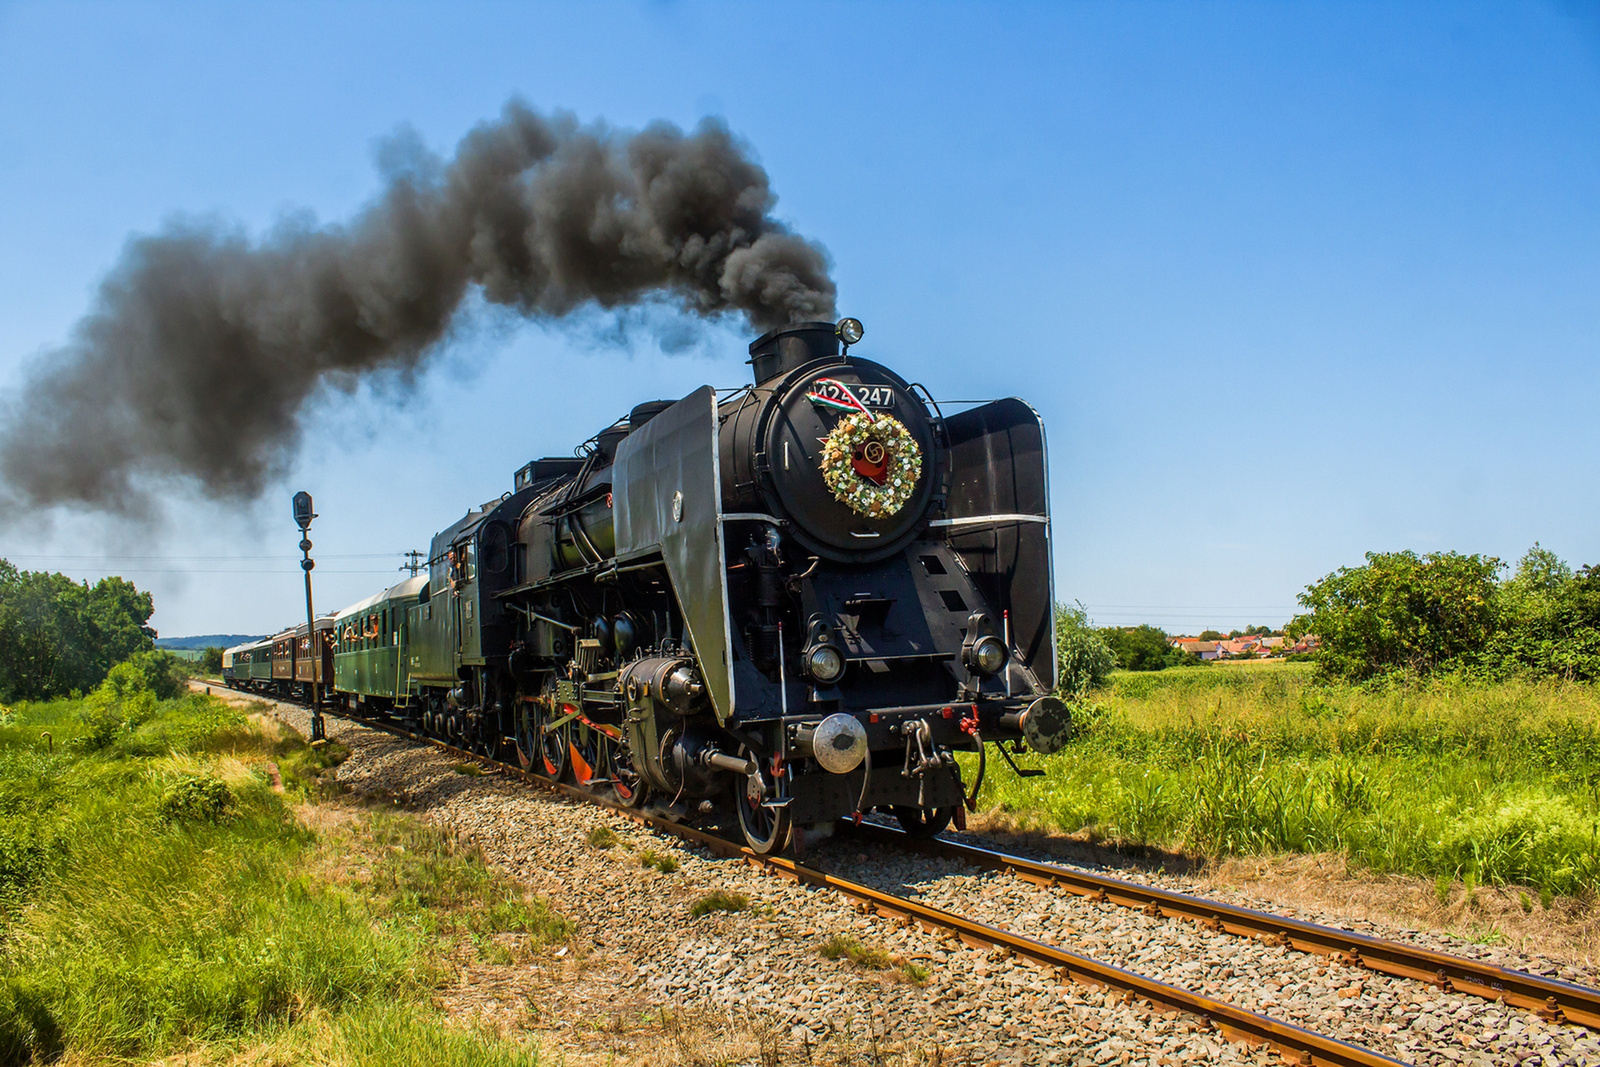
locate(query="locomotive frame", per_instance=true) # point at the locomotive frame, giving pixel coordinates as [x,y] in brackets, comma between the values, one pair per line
[728,606]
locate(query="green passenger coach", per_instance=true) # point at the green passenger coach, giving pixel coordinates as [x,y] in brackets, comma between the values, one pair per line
[370,649]
[249,666]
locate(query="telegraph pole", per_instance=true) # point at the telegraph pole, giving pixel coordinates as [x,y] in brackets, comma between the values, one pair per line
[302,517]
[414,561]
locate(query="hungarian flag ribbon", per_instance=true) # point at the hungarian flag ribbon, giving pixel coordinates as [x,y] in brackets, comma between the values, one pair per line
[848,403]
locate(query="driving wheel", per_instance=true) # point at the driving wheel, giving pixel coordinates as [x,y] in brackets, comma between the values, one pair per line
[923,822]
[766,829]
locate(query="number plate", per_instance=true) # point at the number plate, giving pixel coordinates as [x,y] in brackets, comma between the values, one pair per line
[871,396]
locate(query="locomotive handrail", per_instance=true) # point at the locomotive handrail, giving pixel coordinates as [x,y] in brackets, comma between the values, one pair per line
[752,516]
[606,575]
[531,614]
[990,520]
[551,580]
[938,412]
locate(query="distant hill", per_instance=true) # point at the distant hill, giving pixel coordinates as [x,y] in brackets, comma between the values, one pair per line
[205,641]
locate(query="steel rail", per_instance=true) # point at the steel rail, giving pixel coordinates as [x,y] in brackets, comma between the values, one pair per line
[1231,1021]
[1551,998]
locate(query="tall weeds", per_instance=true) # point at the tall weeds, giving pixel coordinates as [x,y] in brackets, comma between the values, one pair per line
[1495,782]
[155,893]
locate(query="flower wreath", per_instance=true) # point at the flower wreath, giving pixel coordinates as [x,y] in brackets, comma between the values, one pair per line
[871,462]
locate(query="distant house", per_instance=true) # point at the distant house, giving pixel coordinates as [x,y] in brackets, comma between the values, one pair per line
[1308,643]
[1237,647]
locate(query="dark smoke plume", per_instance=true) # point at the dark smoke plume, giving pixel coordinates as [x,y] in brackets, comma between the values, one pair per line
[203,347]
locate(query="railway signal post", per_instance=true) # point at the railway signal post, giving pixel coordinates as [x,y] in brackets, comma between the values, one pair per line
[302,517]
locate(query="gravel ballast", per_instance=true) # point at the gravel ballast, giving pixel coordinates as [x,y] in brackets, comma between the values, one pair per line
[640,958]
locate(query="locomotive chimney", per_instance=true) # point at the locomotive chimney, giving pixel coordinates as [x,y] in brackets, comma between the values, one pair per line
[782,350]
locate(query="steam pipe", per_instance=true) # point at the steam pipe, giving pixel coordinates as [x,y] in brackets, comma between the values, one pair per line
[731,763]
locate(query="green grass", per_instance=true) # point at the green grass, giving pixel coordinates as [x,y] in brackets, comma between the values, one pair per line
[718,900]
[1492,783]
[424,879]
[603,837]
[845,947]
[398,1035]
[157,893]
[664,862]
[873,958]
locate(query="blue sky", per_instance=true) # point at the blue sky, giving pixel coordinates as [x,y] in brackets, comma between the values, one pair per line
[1289,282]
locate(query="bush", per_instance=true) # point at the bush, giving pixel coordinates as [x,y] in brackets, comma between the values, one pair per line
[196,798]
[1549,621]
[155,670]
[1401,613]
[22,862]
[1084,657]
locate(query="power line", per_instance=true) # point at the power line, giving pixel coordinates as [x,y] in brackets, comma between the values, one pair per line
[1115,617]
[190,570]
[1200,607]
[198,559]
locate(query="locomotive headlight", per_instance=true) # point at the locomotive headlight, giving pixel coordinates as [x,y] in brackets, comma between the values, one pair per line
[987,655]
[825,664]
[849,330]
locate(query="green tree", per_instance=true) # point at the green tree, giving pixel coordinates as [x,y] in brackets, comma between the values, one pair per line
[155,669]
[211,662]
[1401,612]
[1211,635]
[1534,589]
[1084,658]
[1138,648]
[1549,620]
[57,635]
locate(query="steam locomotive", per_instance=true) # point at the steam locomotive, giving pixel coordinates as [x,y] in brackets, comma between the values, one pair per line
[783,605]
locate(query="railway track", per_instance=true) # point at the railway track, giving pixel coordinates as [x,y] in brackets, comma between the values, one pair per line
[1553,1000]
